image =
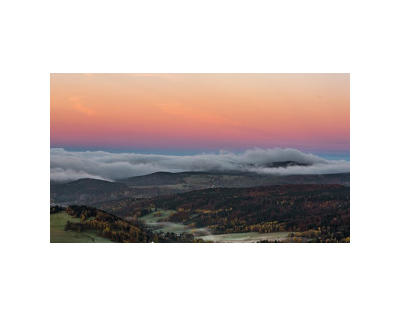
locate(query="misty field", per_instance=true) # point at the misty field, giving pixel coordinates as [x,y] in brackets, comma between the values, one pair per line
[156,222]
[246,237]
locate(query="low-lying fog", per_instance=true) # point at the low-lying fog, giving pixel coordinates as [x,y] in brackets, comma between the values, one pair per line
[72,165]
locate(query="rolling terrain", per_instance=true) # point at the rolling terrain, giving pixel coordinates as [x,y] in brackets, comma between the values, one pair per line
[99,192]
[275,213]
[203,206]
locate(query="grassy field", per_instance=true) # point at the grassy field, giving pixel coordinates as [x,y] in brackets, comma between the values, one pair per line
[59,235]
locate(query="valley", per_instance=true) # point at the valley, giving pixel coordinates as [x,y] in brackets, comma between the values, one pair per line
[271,213]
[156,222]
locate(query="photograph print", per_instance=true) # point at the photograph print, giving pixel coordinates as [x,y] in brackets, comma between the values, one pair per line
[199,158]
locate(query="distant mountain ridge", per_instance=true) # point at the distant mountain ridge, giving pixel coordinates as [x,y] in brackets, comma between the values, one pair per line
[94,191]
[226,179]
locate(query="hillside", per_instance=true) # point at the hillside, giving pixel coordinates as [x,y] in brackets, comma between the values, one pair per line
[86,191]
[80,223]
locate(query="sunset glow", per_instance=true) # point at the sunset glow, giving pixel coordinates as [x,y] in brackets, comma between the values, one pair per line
[201,112]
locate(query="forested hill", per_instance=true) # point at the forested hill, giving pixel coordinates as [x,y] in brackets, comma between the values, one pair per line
[89,219]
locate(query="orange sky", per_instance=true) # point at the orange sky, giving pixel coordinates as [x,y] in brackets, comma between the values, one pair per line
[200,112]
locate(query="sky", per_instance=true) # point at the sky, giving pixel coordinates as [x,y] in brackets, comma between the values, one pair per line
[180,114]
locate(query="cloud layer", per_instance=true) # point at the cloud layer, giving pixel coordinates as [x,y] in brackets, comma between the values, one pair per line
[70,165]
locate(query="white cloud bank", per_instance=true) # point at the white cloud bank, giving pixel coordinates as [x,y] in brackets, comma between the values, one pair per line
[70,165]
